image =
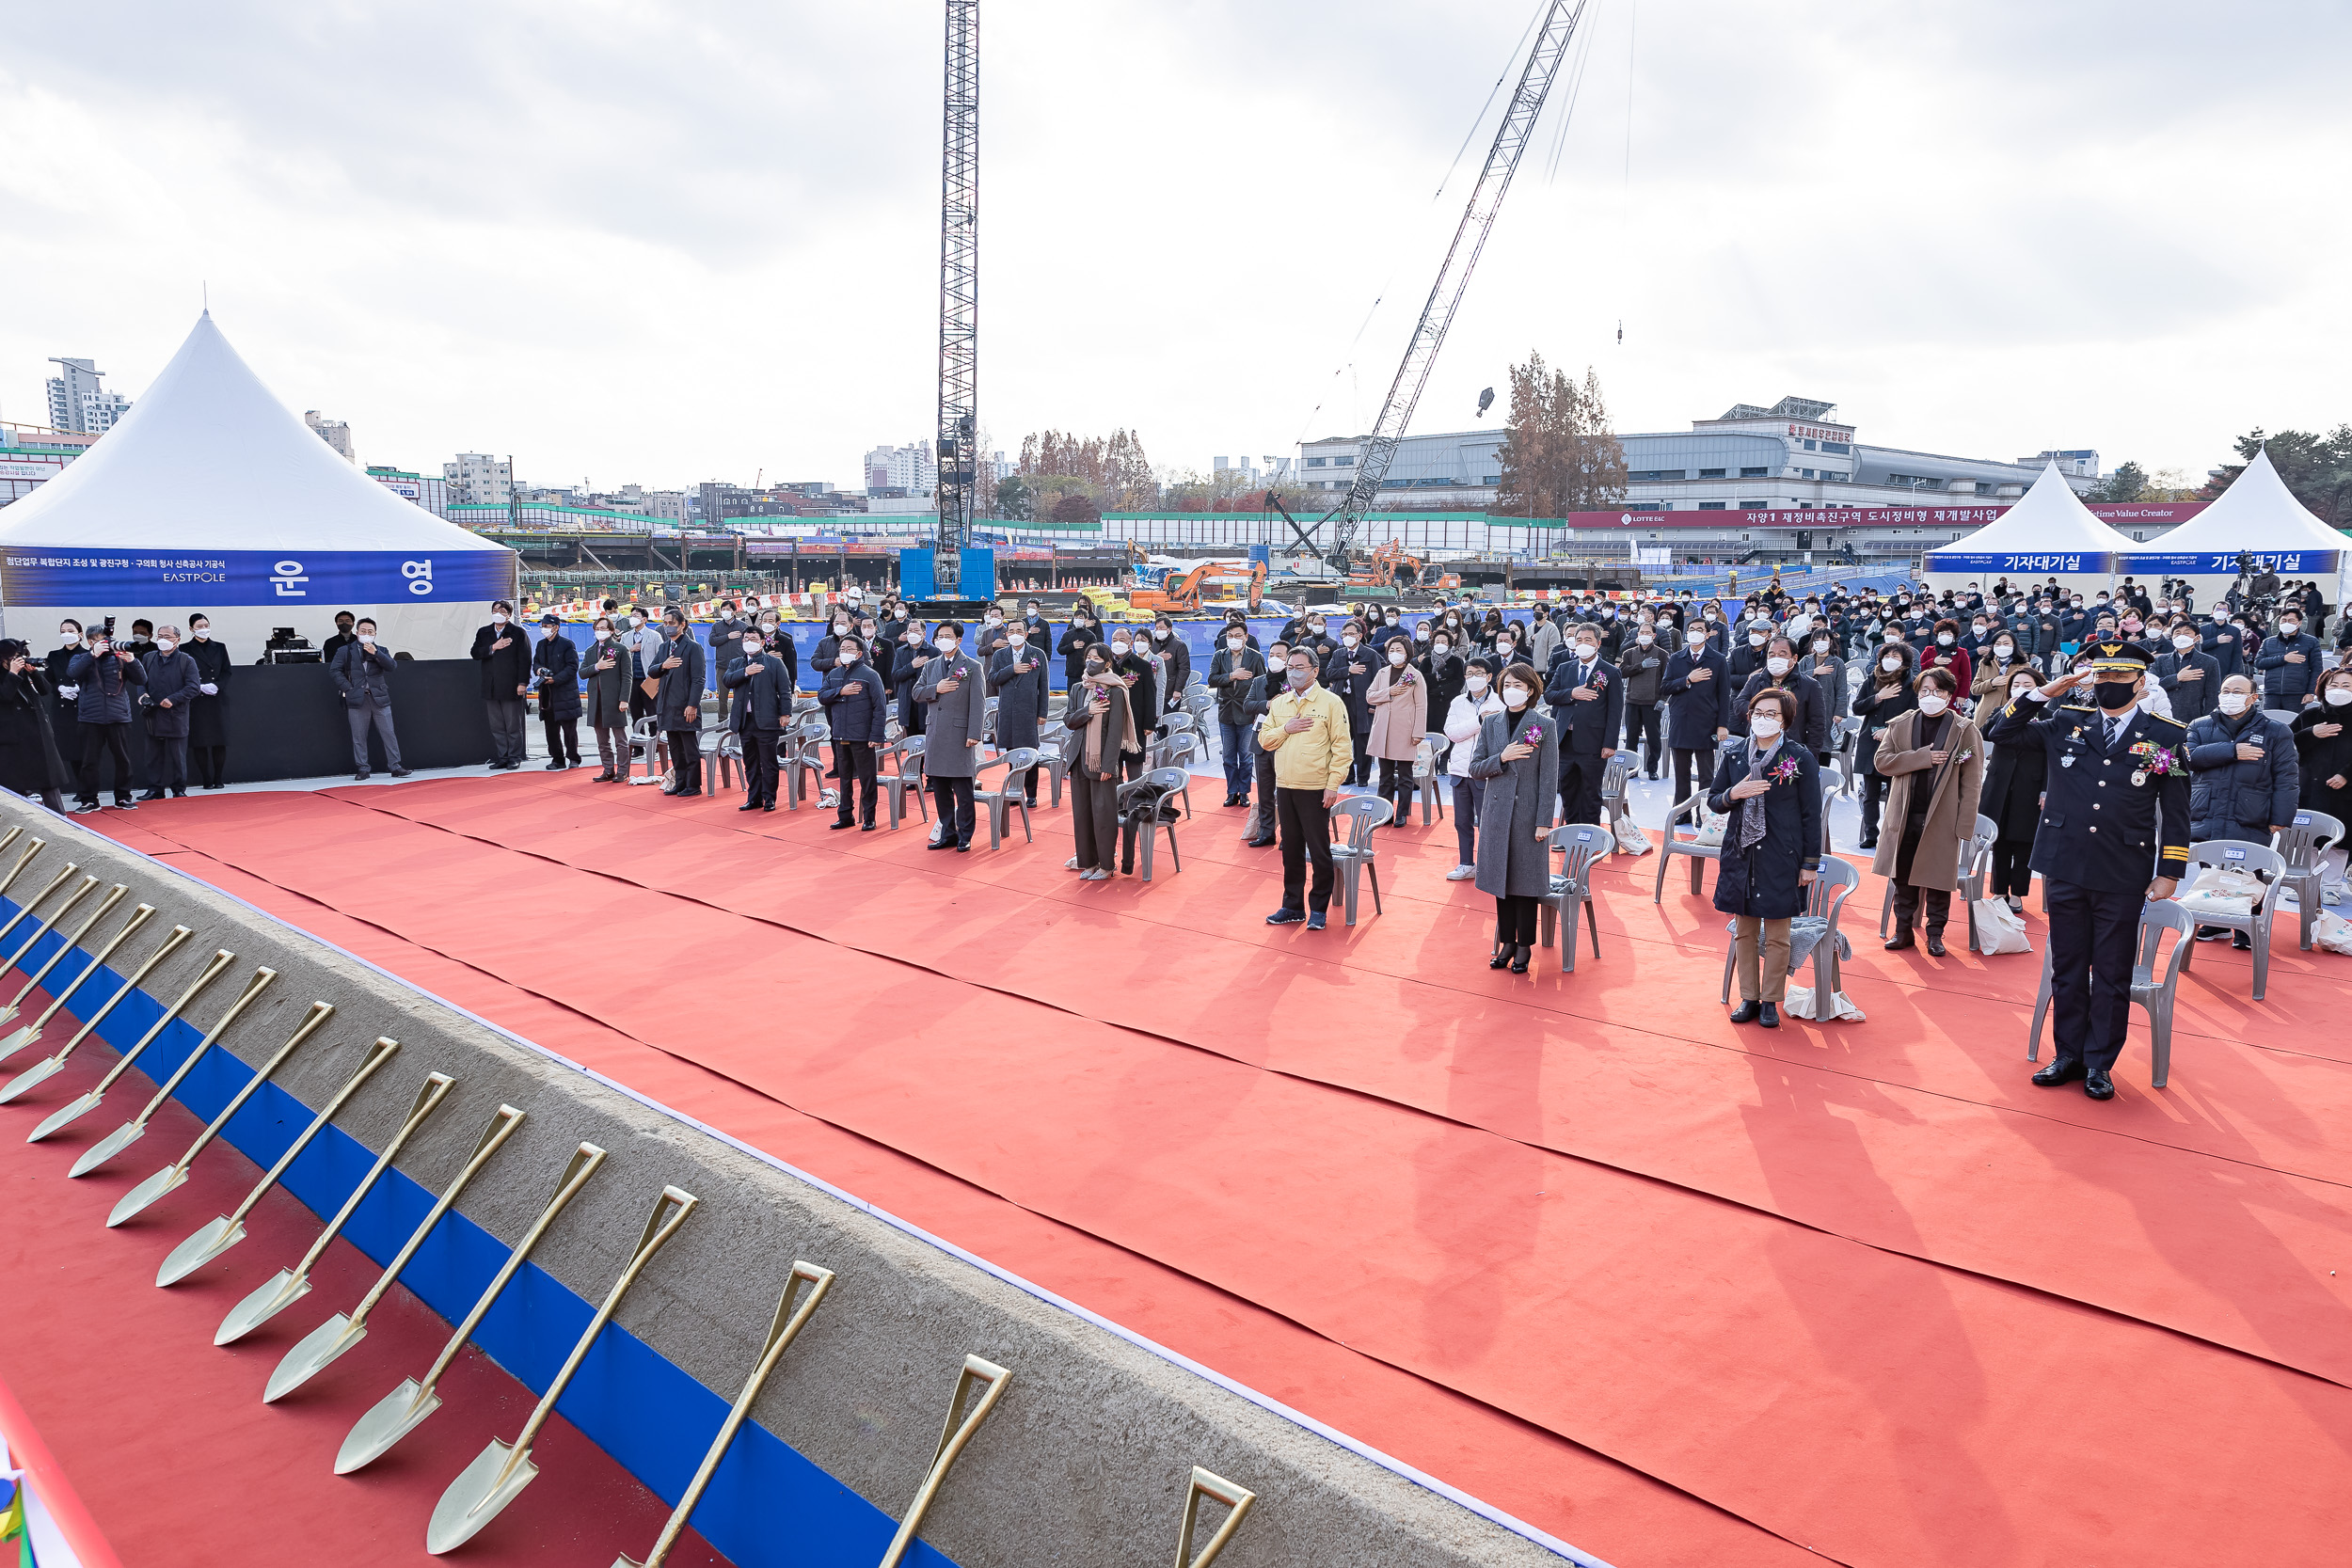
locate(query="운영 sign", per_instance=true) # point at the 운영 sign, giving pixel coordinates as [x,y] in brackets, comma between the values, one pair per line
[72,577]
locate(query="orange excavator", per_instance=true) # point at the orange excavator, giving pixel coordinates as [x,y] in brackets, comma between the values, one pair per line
[1182,595]
[1390,567]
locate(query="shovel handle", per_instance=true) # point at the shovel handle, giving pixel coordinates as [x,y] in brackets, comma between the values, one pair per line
[35,902]
[71,944]
[42,929]
[98,961]
[320,1012]
[961,1424]
[22,860]
[584,1163]
[429,1097]
[503,1125]
[379,1053]
[171,942]
[253,988]
[213,968]
[1207,1483]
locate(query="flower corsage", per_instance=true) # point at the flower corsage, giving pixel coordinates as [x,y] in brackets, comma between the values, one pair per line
[1784,771]
[2155,760]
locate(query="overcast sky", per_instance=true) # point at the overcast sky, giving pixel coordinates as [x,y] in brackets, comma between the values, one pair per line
[627,240]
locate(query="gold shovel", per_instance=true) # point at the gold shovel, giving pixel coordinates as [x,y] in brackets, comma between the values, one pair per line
[35,902]
[214,968]
[1208,1484]
[171,1176]
[43,1068]
[222,1231]
[781,1332]
[23,861]
[132,1130]
[287,1286]
[43,930]
[18,1039]
[498,1474]
[322,1345]
[961,1424]
[402,1411]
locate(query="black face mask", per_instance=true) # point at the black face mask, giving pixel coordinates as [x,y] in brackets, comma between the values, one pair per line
[2116,695]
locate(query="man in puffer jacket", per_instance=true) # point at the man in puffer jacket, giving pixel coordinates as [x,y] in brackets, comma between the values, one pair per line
[2243,777]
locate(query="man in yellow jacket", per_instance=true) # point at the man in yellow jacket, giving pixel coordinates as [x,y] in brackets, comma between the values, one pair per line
[1306,729]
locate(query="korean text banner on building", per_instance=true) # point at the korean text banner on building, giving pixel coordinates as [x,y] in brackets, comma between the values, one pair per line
[66,578]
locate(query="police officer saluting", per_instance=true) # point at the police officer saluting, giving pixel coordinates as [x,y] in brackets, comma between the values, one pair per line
[2114,834]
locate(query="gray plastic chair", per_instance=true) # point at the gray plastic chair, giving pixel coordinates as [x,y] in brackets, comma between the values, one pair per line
[2286,716]
[2154,995]
[1616,804]
[1432,789]
[726,762]
[1144,811]
[1051,736]
[2240,854]
[1572,888]
[1178,723]
[908,777]
[1813,934]
[1175,754]
[1687,813]
[1353,856]
[800,752]
[1001,804]
[644,740]
[2301,844]
[1976,859]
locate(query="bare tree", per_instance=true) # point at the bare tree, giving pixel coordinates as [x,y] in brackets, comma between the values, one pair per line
[1559,454]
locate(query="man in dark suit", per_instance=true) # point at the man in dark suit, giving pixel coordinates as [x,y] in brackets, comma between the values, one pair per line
[362,671]
[858,703]
[677,667]
[763,707]
[1347,676]
[1698,693]
[2114,835]
[2190,679]
[1587,701]
[504,655]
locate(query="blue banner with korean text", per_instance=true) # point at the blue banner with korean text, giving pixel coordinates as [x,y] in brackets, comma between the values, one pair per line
[2293,564]
[66,578]
[2049,561]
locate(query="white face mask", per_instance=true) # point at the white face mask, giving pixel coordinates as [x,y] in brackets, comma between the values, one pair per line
[1934,702]
[1588,652]
[1763,727]
[1821,644]
[995,618]
[1777,666]
[1396,657]
[1348,642]
[2233,702]
[1476,683]
[1755,640]
[1891,664]
[2288,628]
[1980,631]
[166,643]
[1017,639]
[1160,632]
[367,636]
[498,620]
[946,645]
[1439,648]
[1694,637]
[604,634]
[2004,650]
[2185,642]
[2338,696]
[2020,690]
[1515,697]
[202,634]
[1645,639]
[1236,643]
[1120,650]
[1943,638]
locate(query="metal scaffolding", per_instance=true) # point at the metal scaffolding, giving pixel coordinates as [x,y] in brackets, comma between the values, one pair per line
[959,291]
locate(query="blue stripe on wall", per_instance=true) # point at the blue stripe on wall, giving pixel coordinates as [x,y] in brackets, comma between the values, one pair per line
[768,1506]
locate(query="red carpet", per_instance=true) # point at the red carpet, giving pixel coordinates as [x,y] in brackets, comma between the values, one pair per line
[1667,1288]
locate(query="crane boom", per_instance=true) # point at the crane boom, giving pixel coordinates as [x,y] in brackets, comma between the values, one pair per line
[1478,221]
[958,292]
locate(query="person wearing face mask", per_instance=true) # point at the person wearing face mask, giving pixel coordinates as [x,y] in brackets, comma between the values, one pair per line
[1780,670]
[955,692]
[208,716]
[104,674]
[1175,663]
[362,673]
[2002,661]
[1516,758]
[642,640]
[2323,747]
[555,671]
[1441,666]
[1769,788]
[2243,781]
[1546,640]
[1399,702]
[1016,677]
[1747,654]
[1097,735]
[1132,662]
[503,654]
[1465,717]
[1347,676]
[1944,653]
[29,763]
[1697,688]
[344,621]
[611,673]
[857,704]
[1232,669]
[908,656]
[779,643]
[1260,829]
[170,691]
[1586,695]
[1084,632]
[2114,834]
[676,674]
[2012,797]
[1935,759]
[1642,662]
[65,723]
[761,711]
[1885,696]
[2190,677]
[1310,731]
[2289,662]
[726,631]
[1822,659]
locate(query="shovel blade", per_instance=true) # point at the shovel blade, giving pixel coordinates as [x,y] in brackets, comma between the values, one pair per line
[395,1415]
[40,1072]
[16,1040]
[72,1110]
[311,1355]
[145,1192]
[208,1242]
[279,1291]
[478,1496]
[7,1012]
[106,1148]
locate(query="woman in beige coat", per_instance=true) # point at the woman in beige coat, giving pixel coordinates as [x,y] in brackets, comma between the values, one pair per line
[1934,760]
[1400,717]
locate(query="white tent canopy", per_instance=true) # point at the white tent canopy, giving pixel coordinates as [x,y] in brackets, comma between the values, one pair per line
[2048,534]
[2259,514]
[212,495]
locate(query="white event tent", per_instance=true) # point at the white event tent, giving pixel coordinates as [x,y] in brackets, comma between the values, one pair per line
[2257,515]
[2048,534]
[211,495]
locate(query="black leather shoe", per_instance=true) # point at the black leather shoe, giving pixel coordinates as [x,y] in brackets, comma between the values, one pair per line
[1935,945]
[1899,940]
[1870,841]
[1258,843]
[942,844]
[1522,954]
[2060,1071]
[748,805]
[2098,1086]
[1503,957]
[1768,1014]
[397,774]
[838,827]
[1747,1012]
[358,778]
[555,765]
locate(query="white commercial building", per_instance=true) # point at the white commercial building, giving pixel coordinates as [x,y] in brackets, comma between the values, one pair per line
[335,432]
[912,469]
[476,479]
[79,401]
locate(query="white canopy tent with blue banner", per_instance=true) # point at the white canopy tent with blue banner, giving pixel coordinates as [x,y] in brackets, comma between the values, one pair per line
[2048,534]
[211,496]
[2259,517]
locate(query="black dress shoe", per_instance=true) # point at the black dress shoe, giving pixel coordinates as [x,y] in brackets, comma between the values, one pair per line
[748,805]
[1935,945]
[1768,1014]
[838,827]
[1899,940]
[2060,1071]
[1521,956]
[2098,1086]
[1258,843]
[942,844]
[1870,841]
[1503,956]
[152,795]
[1747,1012]
[358,778]
[555,765]
[397,774]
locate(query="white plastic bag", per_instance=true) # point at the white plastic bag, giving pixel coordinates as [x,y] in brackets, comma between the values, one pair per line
[1842,1008]
[1998,928]
[2332,933]
[1712,827]
[1630,839]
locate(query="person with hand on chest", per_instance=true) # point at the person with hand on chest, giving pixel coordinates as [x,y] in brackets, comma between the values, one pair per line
[762,708]
[1347,676]
[2114,835]
[1767,788]
[1016,677]
[2243,781]
[1936,760]
[555,669]
[677,672]
[1587,701]
[612,673]
[504,655]
[1232,669]
[1307,727]
[1643,663]
[2323,747]
[954,694]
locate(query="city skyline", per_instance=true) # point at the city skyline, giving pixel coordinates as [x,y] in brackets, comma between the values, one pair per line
[2015,241]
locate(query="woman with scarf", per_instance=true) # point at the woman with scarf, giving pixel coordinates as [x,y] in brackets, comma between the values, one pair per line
[1140,672]
[29,761]
[2002,664]
[1769,784]
[1099,726]
[1936,760]
[1885,695]
[1519,760]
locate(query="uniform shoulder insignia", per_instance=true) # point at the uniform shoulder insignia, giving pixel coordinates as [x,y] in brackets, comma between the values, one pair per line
[2166,718]
[2082,707]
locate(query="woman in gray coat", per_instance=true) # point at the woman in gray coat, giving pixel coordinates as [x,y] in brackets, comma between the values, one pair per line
[612,672]
[1519,761]
[954,694]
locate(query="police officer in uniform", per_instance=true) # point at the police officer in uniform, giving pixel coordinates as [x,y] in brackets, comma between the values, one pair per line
[2114,834]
